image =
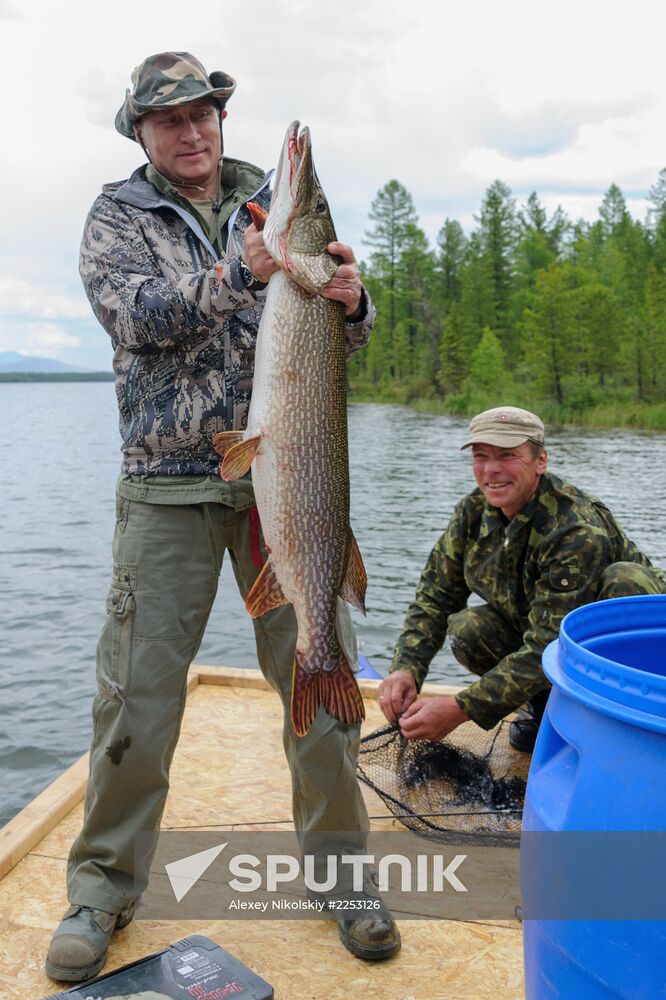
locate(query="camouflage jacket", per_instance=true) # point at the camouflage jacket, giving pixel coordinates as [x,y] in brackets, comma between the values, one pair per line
[182,322]
[532,570]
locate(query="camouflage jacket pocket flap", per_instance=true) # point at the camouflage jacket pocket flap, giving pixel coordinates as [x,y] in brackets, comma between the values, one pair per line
[564,578]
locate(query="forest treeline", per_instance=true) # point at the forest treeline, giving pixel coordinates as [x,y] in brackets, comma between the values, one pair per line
[568,318]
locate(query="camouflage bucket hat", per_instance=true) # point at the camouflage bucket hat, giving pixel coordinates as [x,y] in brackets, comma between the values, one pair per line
[168,79]
[505,427]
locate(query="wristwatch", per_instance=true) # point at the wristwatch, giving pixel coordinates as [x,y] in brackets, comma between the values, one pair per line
[250,280]
[246,273]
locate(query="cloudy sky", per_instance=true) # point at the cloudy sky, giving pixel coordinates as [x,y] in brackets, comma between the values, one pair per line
[563,99]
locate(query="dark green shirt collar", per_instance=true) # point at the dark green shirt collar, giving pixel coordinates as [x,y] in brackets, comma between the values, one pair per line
[238,182]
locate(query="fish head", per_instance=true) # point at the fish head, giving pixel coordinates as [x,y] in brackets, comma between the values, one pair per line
[299,226]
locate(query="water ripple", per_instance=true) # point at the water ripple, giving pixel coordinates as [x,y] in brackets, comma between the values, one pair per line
[407,474]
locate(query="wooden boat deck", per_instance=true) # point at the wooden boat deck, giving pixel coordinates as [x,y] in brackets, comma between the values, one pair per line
[230,712]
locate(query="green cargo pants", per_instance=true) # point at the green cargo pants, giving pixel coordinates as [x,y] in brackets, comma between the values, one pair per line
[480,636]
[167,560]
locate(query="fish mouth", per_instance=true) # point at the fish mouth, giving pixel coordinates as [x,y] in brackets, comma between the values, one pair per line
[295,152]
[289,187]
[299,227]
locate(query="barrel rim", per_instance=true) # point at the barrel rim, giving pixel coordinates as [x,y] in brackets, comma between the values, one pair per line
[608,686]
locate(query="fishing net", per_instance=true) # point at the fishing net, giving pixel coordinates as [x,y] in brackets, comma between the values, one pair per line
[472,782]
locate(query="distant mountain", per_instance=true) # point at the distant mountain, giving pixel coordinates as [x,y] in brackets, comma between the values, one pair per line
[11,361]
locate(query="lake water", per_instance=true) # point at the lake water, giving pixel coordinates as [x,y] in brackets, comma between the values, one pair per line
[58,469]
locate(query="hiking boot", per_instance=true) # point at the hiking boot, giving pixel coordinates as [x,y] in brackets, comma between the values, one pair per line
[80,943]
[525,727]
[365,924]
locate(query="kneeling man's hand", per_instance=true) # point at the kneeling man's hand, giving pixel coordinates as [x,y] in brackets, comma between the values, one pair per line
[396,693]
[432,718]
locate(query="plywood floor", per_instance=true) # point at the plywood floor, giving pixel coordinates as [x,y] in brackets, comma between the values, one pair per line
[302,959]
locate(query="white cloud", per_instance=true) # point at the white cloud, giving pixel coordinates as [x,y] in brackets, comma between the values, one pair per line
[444,97]
[9,11]
[20,298]
[48,339]
[101,90]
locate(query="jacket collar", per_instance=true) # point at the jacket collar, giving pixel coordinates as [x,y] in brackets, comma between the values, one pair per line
[140,193]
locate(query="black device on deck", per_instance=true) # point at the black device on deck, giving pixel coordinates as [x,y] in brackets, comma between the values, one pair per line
[192,969]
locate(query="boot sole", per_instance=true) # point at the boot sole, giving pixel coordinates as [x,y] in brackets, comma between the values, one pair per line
[63,974]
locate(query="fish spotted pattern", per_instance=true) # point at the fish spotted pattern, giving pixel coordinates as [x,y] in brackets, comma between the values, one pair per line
[297,439]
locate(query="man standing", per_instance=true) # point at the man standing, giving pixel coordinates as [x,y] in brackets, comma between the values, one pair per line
[175,273]
[532,547]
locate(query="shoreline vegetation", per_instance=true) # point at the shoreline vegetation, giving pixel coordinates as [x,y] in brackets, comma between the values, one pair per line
[636,416]
[528,307]
[564,318]
[419,397]
[57,377]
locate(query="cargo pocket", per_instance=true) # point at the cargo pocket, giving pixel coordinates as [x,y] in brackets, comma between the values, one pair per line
[122,512]
[114,655]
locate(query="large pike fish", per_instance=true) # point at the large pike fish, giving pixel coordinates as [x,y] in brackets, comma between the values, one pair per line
[296,441]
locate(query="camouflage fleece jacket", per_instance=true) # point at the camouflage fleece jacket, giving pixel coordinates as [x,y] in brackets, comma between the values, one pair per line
[532,570]
[182,322]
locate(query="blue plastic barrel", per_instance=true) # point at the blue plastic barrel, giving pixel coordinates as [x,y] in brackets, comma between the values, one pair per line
[366,669]
[600,765]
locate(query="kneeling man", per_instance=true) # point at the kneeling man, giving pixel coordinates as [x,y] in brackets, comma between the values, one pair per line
[533,548]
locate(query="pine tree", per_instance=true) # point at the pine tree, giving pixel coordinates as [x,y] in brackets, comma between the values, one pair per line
[393,214]
[539,243]
[657,219]
[476,291]
[489,380]
[613,211]
[451,242]
[497,231]
[577,312]
[653,340]
[454,353]
[549,340]
[596,322]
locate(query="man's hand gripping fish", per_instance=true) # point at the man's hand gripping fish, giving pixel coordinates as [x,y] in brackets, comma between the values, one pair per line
[297,438]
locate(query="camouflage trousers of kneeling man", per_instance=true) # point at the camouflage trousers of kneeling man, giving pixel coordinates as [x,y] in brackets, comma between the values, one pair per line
[480,636]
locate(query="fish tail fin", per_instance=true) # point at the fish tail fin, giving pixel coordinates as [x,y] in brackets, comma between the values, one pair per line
[335,689]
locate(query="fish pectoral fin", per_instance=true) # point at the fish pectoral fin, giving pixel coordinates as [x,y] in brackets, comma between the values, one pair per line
[355,581]
[257,214]
[223,441]
[335,689]
[238,458]
[266,593]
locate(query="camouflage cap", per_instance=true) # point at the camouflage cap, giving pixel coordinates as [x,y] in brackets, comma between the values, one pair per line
[505,427]
[168,79]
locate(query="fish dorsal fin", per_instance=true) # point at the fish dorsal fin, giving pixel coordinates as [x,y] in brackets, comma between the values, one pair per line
[355,581]
[266,593]
[238,458]
[223,441]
